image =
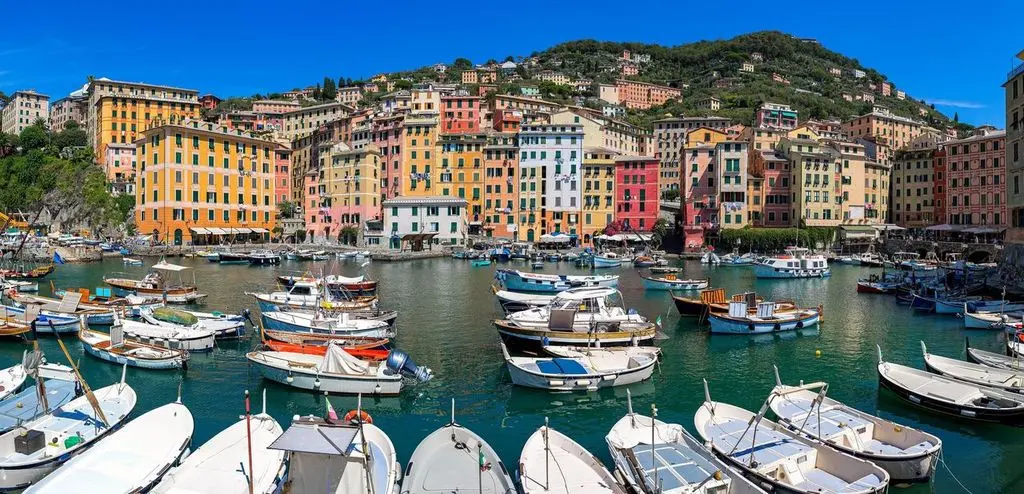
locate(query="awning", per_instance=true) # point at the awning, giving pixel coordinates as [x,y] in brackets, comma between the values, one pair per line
[216,231]
[412,237]
[983,229]
[858,228]
[559,238]
[166,266]
[201,231]
[234,231]
[945,227]
[891,228]
[259,230]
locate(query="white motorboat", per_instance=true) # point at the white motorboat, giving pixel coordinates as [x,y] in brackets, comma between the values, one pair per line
[517,301]
[331,456]
[131,261]
[552,463]
[710,258]
[909,455]
[320,322]
[167,335]
[337,371]
[950,396]
[455,459]
[798,262]
[654,457]
[155,287]
[57,383]
[577,317]
[12,378]
[221,465]
[521,281]
[132,459]
[781,459]
[306,294]
[35,448]
[582,369]
[607,260]
[992,359]
[981,375]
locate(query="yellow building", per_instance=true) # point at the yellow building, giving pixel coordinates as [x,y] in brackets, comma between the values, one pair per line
[876,191]
[598,192]
[199,182]
[462,173]
[119,112]
[815,174]
[420,175]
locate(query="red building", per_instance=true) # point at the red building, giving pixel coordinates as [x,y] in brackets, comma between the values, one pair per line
[976,179]
[636,192]
[282,173]
[775,189]
[209,101]
[460,114]
[939,176]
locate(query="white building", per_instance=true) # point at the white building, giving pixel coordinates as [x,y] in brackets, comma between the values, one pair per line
[554,154]
[24,108]
[428,219]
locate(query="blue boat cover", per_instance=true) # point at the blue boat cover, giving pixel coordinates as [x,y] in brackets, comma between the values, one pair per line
[25,405]
[561,366]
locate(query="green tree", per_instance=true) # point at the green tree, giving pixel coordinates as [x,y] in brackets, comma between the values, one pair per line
[348,234]
[461,64]
[287,209]
[71,136]
[403,84]
[33,137]
[329,91]
[317,92]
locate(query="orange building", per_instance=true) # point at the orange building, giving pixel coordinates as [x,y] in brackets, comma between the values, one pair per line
[501,160]
[644,95]
[199,182]
[460,114]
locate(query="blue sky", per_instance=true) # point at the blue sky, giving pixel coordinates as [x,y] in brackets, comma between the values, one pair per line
[940,50]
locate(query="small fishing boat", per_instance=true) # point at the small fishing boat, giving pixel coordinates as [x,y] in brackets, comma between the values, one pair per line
[46,322]
[665,270]
[909,455]
[521,281]
[992,359]
[223,326]
[114,348]
[131,261]
[733,260]
[18,285]
[308,295]
[170,336]
[264,258]
[233,258]
[950,396]
[1003,379]
[798,262]
[876,284]
[710,258]
[317,339]
[654,457]
[344,288]
[321,322]
[345,255]
[853,260]
[221,465]
[671,282]
[552,257]
[338,371]
[34,449]
[155,287]
[455,459]
[31,274]
[98,307]
[739,320]
[480,262]
[644,262]
[993,306]
[978,319]
[320,255]
[12,328]
[130,460]
[372,354]
[779,459]
[871,259]
[57,383]
[291,255]
[516,301]
[607,260]
[714,302]
[12,378]
[576,317]
[582,369]
[327,455]
[538,264]
[553,463]
[953,304]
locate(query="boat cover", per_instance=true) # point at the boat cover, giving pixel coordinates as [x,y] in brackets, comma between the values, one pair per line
[25,405]
[677,466]
[338,361]
[175,316]
[561,366]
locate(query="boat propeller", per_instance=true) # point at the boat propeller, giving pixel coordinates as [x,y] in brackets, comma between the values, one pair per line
[400,361]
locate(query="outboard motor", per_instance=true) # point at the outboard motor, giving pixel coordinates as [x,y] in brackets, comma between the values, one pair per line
[247,316]
[400,361]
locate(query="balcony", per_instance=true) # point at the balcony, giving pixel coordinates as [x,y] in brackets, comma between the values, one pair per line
[1015,72]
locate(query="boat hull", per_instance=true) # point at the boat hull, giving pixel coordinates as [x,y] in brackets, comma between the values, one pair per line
[870,287]
[334,385]
[513,282]
[690,307]
[726,325]
[1011,417]
[601,262]
[264,261]
[587,382]
[299,326]
[164,364]
[768,272]
[203,343]
[682,285]
[534,340]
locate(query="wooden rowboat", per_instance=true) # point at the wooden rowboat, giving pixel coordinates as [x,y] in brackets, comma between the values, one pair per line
[714,302]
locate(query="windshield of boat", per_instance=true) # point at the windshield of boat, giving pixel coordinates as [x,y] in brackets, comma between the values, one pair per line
[301,290]
[613,299]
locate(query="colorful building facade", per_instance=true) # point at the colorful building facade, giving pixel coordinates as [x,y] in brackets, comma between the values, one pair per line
[636,193]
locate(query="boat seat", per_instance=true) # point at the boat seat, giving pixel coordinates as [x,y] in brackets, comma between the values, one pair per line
[561,366]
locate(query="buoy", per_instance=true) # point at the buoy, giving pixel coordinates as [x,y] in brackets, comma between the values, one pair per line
[817,353]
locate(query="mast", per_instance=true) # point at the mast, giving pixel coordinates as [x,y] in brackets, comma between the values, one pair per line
[248,439]
[547,457]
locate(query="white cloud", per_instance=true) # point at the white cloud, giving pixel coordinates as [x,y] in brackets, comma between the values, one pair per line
[955,103]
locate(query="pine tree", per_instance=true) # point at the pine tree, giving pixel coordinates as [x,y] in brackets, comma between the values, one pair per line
[956,117]
[317,93]
[330,91]
[341,82]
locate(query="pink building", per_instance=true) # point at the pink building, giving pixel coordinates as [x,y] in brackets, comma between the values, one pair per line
[386,133]
[699,205]
[460,114]
[316,214]
[119,166]
[775,188]
[282,173]
[976,179]
[636,192]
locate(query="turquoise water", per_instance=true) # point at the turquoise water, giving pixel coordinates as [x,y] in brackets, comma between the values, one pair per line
[445,310]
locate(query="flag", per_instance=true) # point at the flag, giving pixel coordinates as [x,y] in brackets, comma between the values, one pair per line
[331,414]
[57,259]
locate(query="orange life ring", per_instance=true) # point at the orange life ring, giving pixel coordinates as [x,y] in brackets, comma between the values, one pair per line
[363,417]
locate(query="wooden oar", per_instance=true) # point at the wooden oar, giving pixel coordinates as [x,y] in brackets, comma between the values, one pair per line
[85,386]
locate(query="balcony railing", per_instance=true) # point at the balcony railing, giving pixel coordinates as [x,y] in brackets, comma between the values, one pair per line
[1015,72]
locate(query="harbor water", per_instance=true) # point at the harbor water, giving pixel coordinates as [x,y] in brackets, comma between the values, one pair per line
[445,318]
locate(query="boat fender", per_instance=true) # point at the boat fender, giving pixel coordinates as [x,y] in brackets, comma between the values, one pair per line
[778,327]
[289,378]
[799,324]
[357,416]
[316,383]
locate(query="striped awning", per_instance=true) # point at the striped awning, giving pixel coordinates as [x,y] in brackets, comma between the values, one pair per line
[201,231]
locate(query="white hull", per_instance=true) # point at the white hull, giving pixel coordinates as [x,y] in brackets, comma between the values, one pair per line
[307,378]
[174,338]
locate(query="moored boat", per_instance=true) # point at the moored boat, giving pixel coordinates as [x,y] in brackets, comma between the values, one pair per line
[337,371]
[57,383]
[374,353]
[606,260]
[739,320]
[517,301]
[319,322]
[223,326]
[132,459]
[796,263]
[12,378]
[233,258]
[1003,379]
[950,396]
[46,321]
[977,319]
[114,348]
[263,258]
[520,281]
[582,369]
[909,455]
[654,457]
[671,282]
[455,459]
[779,459]
[992,359]
[155,287]
[552,463]
[170,336]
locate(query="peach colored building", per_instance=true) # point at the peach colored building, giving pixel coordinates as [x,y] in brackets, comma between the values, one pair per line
[274,107]
[349,95]
[470,77]
[888,128]
[501,196]
[282,173]
[643,95]
[976,180]
[460,114]
[24,108]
